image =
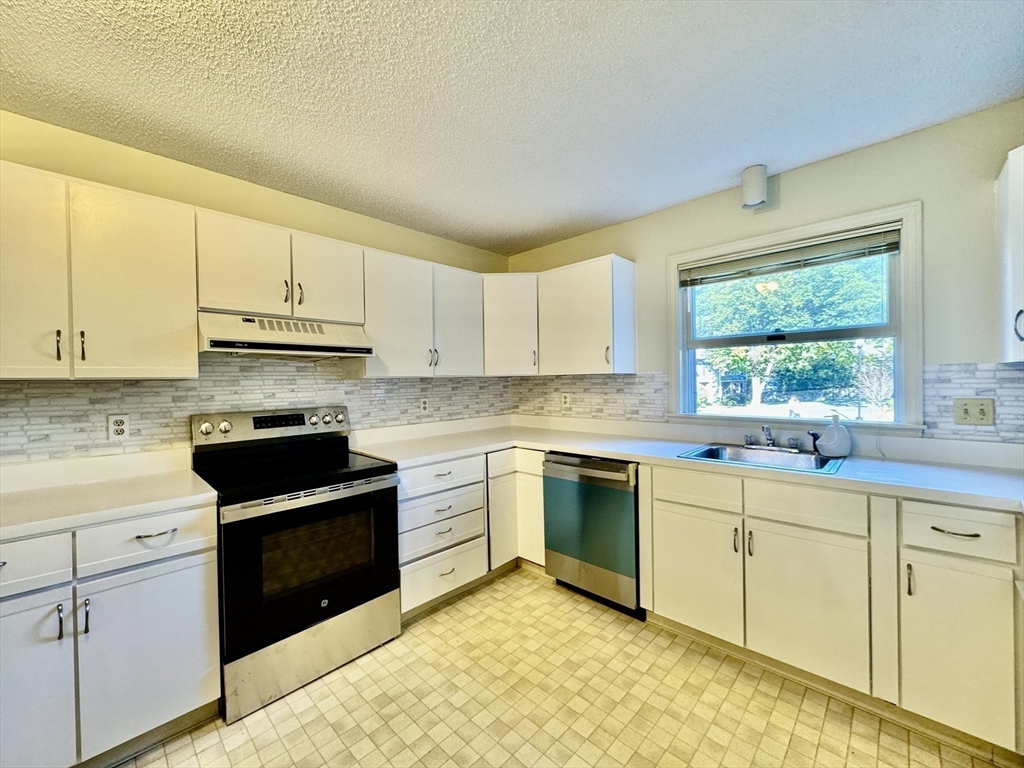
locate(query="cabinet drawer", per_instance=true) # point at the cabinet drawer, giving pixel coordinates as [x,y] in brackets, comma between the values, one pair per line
[975,532]
[144,539]
[434,576]
[699,489]
[530,462]
[425,510]
[440,477]
[424,541]
[501,463]
[34,563]
[816,508]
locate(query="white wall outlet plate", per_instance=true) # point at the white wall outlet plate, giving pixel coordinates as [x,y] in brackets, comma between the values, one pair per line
[424,406]
[980,411]
[566,399]
[118,428]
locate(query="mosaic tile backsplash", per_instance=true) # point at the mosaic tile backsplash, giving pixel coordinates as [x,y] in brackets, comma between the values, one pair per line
[59,419]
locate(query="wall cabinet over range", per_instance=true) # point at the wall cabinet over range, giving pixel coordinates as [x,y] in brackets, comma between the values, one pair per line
[95,282]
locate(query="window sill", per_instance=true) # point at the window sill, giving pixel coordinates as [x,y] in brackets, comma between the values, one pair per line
[754,424]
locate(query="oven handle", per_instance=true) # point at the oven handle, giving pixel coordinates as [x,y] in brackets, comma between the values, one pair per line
[250,509]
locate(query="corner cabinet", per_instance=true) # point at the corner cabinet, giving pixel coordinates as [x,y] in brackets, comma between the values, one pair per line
[587,317]
[95,282]
[510,325]
[1010,230]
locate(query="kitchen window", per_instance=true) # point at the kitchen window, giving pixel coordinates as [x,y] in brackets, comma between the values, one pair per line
[804,328]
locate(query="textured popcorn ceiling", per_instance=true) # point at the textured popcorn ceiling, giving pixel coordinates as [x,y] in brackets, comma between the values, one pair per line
[503,125]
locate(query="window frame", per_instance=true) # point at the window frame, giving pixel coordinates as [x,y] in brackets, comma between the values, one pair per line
[905,315]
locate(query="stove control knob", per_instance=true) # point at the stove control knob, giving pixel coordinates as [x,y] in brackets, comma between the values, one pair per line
[224,427]
[314,420]
[340,417]
[327,418]
[206,428]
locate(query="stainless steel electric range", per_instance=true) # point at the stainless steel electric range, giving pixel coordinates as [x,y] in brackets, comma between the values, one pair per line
[308,548]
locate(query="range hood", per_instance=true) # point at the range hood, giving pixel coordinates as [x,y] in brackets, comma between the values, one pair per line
[255,334]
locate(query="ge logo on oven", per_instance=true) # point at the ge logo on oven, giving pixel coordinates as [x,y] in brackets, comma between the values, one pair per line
[323,603]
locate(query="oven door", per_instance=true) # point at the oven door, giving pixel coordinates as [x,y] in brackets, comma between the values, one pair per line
[282,572]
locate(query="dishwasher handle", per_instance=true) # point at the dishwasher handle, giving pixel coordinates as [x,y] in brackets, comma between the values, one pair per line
[570,472]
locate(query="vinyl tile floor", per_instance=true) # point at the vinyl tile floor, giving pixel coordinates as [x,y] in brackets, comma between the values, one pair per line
[523,672]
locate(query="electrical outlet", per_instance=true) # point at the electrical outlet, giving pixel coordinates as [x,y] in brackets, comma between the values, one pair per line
[980,411]
[566,400]
[424,406]
[117,428]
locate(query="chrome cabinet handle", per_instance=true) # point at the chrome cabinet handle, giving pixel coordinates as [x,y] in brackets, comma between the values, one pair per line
[910,576]
[437,357]
[750,543]
[535,358]
[735,539]
[448,573]
[955,533]
[607,353]
[3,563]
[444,474]
[287,292]
[82,335]
[431,353]
[58,345]
[168,532]
[446,509]
[88,604]
[302,294]
[60,621]
[442,533]
[1016,325]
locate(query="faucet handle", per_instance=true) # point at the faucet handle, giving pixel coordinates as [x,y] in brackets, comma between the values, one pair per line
[814,439]
[793,442]
[748,439]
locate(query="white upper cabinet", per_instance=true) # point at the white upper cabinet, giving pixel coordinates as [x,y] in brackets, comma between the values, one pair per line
[34,309]
[587,317]
[328,278]
[510,325]
[244,265]
[133,283]
[458,322]
[1010,218]
[399,315]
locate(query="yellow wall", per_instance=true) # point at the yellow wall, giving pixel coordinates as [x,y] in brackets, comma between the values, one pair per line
[950,167]
[41,145]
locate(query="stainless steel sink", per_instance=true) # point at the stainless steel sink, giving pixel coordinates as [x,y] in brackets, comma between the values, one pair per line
[762,456]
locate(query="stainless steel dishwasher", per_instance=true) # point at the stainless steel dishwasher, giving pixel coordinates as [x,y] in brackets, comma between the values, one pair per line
[590,525]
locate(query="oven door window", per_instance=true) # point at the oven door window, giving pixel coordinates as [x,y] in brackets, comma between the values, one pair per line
[288,570]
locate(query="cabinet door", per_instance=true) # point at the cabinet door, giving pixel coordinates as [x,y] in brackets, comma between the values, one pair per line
[957,644]
[530,508]
[574,307]
[244,265]
[37,681]
[458,322]
[807,600]
[399,315]
[34,309]
[698,569]
[510,325]
[503,530]
[1010,231]
[328,279]
[152,650]
[133,281]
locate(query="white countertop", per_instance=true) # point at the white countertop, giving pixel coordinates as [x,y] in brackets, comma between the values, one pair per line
[952,484]
[66,507]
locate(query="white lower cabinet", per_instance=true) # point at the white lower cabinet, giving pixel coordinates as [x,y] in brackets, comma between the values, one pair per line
[958,643]
[427,579]
[37,680]
[699,578]
[148,649]
[807,600]
[503,531]
[530,512]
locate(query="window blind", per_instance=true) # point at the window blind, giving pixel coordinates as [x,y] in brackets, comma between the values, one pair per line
[855,246]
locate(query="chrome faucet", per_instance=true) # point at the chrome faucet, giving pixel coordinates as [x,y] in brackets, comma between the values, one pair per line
[768,439]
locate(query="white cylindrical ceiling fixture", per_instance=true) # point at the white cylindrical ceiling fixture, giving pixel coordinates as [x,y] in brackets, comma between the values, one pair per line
[754,183]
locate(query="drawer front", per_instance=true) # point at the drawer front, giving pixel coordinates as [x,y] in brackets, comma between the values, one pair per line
[960,530]
[501,463]
[426,510]
[144,539]
[442,476]
[442,535]
[34,563]
[699,489]
[434,576]
[816,508]
[530,462]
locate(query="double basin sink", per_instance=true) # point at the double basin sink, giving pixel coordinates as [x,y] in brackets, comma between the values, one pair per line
[763,456]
